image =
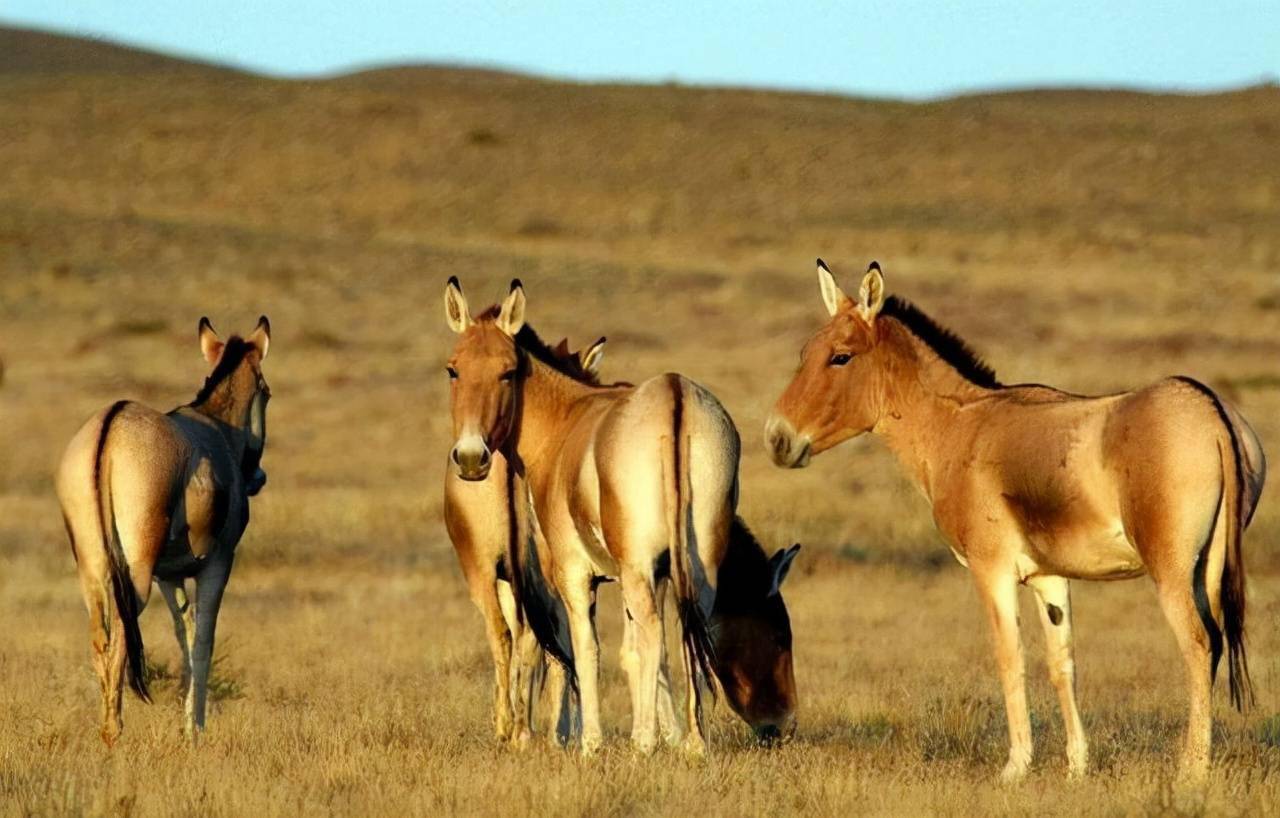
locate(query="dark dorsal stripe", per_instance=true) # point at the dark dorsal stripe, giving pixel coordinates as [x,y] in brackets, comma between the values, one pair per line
[948,346]
[232,355]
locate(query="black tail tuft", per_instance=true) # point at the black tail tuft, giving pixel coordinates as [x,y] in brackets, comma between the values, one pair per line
[699,648]
[127,609]
[536,604]
[1242,694]
[546,616]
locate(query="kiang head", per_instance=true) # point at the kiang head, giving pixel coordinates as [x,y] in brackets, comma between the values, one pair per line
[837,393]
[483,373]
[236,392]
[751,634]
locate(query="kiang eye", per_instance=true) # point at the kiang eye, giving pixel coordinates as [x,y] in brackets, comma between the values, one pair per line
[840,359]
[453,373]
[508,375]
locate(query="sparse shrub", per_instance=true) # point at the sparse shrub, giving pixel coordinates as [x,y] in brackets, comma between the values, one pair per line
[854,553]
[483,137]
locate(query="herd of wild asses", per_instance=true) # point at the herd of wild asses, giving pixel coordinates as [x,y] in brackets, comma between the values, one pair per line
[558,480]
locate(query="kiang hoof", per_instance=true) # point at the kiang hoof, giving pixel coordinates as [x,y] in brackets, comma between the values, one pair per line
[695,748]
[644,746]
[1012,774]
[522,740]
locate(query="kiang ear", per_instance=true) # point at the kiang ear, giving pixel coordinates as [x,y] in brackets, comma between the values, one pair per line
[511,316]
[455,306]
[593,357]
[261,336]
[781,564]
[832,295]
[871,294]
[210,344]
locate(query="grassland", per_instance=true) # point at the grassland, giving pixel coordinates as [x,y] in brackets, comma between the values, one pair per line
[1086,239]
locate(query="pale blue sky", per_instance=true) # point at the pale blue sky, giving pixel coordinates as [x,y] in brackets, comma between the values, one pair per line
[909,48]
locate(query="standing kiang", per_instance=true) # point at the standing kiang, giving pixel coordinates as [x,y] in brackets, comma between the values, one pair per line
[481,519]
[638,484]
[1035,486]
[153,496]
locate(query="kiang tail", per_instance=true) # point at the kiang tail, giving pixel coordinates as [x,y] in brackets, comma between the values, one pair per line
[538,605]
[1233,576]
[123,592]
[695,634]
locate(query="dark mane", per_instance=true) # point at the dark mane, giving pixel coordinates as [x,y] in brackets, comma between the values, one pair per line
[232,354]
[949,346]
[558,359]
[744,576]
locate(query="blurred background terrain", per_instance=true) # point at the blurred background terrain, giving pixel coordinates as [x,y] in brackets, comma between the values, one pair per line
[1087,239]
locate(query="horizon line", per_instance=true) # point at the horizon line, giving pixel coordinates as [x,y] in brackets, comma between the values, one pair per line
[353,69]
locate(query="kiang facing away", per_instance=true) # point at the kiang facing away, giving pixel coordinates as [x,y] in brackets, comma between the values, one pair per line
[637,483]
[1033,485]
[158,496]
[481,520]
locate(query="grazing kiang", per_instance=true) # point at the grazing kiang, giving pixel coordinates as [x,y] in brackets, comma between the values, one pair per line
[1035,486]
[165,496]
[634,483]
[481,521]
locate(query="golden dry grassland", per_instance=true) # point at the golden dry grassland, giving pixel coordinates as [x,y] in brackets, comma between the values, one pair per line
[1095,241]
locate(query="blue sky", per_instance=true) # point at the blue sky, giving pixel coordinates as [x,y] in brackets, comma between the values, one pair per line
[908,48]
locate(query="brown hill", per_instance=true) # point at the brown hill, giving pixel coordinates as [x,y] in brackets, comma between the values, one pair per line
[28,51]
[453,156]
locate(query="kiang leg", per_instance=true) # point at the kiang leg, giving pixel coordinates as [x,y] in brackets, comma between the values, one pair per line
[998,589]
[524,652]
[210,585]
[559,703]
[645,625]
[1177,600]
[668,726]
[484,594]
[106,635]
[579,598]
[1054,596]
[184,628]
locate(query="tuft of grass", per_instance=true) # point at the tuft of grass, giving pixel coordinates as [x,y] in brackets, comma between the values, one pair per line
[876,729]
[226,683]
[140,326]
[1268,731]
[961,728]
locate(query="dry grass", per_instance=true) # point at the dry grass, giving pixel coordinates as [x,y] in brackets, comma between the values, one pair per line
[1094,241]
